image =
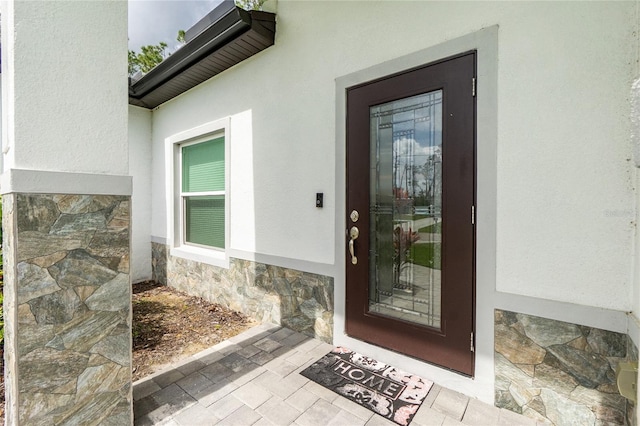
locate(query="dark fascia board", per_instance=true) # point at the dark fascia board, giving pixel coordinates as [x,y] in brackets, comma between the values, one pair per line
[233,27]
[210,18]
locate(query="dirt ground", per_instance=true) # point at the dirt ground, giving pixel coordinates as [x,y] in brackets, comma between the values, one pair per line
[167,326]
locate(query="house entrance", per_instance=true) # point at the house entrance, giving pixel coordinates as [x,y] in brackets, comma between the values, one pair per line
[410,207]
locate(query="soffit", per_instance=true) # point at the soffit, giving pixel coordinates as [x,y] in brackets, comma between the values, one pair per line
[232,38]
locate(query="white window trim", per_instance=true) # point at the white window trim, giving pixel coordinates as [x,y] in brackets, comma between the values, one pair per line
[175,223]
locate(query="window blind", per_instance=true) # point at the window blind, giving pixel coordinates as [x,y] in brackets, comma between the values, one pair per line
[204,217]
[203,166]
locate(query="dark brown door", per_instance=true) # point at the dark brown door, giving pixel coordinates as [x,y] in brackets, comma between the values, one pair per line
[410,206]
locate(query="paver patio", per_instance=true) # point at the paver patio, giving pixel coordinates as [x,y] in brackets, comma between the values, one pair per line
[252,379]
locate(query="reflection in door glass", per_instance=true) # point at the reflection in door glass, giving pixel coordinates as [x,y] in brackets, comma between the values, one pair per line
[406,209]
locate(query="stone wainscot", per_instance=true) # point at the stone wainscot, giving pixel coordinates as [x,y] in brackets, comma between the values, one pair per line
[560,373]
[67,305]
[298,300]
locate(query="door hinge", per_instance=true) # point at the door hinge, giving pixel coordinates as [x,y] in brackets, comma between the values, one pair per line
[473,348]
[473,87]
[473,215]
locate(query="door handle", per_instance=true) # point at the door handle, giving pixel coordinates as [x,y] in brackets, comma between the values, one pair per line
[353,233]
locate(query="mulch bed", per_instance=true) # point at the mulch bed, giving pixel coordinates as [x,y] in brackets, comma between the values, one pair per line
[169,325]
[2,385]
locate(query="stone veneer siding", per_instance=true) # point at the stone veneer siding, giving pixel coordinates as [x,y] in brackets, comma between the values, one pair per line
[560,372]
[298,300]
[632,409]
[67,309]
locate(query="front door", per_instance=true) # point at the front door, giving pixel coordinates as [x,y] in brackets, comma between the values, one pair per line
[410,212]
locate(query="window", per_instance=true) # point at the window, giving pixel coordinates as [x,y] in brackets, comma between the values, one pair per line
[203,193]
[198,184]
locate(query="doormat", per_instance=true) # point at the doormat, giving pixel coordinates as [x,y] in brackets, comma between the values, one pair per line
[383,389]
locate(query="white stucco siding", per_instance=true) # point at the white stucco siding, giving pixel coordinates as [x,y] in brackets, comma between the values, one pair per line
[564,73]
[564,172]
[50,82]
[278,162]
[140,171]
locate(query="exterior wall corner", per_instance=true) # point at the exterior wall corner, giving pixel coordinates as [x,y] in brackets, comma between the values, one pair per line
[68,308]
[298,300]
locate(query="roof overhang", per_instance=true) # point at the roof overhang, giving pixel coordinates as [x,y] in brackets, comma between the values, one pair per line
[233,36]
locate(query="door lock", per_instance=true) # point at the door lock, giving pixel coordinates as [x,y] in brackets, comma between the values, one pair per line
[353,233]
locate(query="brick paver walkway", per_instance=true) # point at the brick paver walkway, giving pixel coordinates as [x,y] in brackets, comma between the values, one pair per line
[252,379]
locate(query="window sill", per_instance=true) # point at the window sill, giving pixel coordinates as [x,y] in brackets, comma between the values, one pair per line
[210,257]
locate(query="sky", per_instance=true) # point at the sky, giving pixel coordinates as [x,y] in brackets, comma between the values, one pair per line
[153,21]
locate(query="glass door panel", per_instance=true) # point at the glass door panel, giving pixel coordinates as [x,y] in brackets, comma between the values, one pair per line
[410,184]
[406,209]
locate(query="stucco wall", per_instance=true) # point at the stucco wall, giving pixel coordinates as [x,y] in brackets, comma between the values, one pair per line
[140,170]
[634,315]
[564,75]
[67,93]
[564,177]
[634,96]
